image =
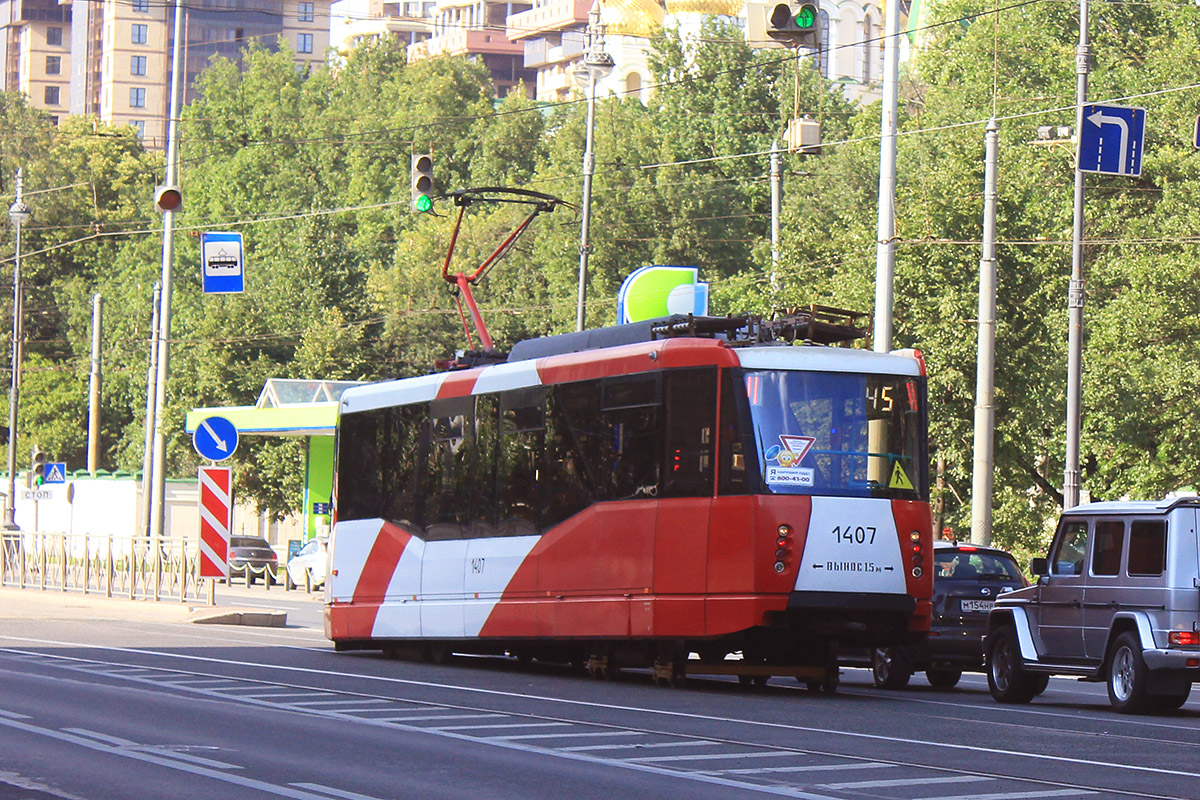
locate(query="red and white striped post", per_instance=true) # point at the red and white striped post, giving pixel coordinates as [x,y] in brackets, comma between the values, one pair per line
[216,518]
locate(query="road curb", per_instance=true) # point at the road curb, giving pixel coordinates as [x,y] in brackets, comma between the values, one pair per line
[261,618]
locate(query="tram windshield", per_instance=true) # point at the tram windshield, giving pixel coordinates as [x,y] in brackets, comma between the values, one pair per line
[839,434]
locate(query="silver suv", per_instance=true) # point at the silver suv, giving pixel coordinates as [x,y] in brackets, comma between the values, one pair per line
[1118,600]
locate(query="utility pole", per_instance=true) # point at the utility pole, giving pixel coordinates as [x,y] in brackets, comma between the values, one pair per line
[885,232]
[985,361]
[1076,292]
[776,204]
[158,460]
[148,447]
[93,454]
[595,65]
[19,214]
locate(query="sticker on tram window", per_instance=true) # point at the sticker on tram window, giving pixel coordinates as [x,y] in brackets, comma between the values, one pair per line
[790,451]
[790,476]
[899,478]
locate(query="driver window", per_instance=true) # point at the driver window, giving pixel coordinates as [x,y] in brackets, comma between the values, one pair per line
[1070,549]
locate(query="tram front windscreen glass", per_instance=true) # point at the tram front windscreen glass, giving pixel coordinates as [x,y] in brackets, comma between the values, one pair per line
[844,434]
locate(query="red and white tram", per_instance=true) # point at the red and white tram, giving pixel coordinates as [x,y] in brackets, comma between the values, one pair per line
[613,494]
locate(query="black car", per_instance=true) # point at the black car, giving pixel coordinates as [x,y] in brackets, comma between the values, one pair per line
[966,581]
[251,557]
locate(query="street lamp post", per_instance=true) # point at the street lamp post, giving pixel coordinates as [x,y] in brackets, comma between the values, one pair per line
[596,64]
[19,214]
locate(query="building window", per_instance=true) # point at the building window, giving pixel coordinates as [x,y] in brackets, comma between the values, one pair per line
[137,97]
[141,5]
[137,65]
[140,125]
[54,36]
[140,33]
[306,12]
[304,43]
[53,65]
[824,62]
[51,96]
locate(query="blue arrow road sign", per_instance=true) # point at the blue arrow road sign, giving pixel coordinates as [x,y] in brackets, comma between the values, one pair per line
[222,263]
[56,472]
[1111,139]
[215,438]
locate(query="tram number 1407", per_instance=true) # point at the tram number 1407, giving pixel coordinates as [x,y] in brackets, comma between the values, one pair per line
[857,534]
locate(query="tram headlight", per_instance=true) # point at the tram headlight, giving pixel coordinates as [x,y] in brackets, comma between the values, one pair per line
[917,572]
[784,531]
[779,566]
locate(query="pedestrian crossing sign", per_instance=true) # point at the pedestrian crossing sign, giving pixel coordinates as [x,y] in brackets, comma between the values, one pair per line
[56,472]
[899,478]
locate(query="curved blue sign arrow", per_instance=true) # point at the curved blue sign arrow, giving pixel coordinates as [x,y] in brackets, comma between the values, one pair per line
[215,438]
[1111,140]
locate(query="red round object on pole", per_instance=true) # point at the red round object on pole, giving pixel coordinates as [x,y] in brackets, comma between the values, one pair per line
[168,198]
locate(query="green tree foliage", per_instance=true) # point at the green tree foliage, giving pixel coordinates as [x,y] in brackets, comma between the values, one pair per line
[344,281]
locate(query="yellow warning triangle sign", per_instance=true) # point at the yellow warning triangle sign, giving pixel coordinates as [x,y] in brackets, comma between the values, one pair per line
[899,479]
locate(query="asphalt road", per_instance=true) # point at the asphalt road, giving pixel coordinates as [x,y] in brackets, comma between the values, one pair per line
[116,699]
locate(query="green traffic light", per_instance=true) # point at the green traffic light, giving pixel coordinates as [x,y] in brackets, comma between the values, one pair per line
[424,203]
[806,17]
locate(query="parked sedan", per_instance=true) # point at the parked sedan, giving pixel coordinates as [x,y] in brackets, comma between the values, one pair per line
[966,581]
[307,567]
[251,557]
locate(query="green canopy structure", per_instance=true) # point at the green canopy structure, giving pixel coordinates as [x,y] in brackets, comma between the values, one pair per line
[294,407]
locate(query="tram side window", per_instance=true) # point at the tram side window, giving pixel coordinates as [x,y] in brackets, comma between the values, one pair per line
[483,484]
[733,477]
[572,410]
[519,459]
[629,452]
[359,466]
[690,403]
[378,456]
[451,459]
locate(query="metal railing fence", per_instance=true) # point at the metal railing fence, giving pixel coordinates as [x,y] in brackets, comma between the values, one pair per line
[115,567]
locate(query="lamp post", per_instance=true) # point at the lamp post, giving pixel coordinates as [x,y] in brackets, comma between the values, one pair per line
[596,64]
[19,214]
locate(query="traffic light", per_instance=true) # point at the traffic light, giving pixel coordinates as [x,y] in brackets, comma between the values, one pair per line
[422,182]
[797,24]
[168,198]
[37,466]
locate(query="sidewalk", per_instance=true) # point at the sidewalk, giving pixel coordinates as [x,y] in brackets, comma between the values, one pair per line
[53,604]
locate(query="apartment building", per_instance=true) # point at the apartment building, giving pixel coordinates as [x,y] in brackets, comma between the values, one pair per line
[406,21]
[477,29]
[112,58]
[35,51]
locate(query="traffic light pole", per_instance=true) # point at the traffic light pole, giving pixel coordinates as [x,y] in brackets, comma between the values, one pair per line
[158,458]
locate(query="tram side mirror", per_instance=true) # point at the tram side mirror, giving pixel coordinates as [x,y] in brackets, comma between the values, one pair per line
[1039,566]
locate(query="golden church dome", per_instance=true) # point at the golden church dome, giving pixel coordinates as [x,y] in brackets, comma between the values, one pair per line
[727,8]
[631,17]
[645,17]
